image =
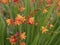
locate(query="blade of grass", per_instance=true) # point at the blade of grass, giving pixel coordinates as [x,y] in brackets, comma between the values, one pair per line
[35,41]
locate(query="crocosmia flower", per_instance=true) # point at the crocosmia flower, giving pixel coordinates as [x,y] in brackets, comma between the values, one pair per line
[22,43]
[45,10]
[30,20]
[9,21]
[50,25]
[13,40]
[44,29]
[19,19]
[58,3]
[49,1]
[22,35]
[21,9]
[15,0]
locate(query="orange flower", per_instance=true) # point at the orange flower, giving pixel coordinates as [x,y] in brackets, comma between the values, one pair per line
[50,25]
[30,20]
[4,1]
[58,3]
[49,1]
[22,36]
[9,21]
[12,40]
[45,11]
[44,29]
[15,0]
[19,19]
[21,9]
[22,43]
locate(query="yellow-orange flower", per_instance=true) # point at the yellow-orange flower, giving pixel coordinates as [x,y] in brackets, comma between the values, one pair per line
[30,20]
[21,9]
[58,3]
[50,25]
[9,21]
[22,36]
[22,43]
[4,1]
[45,10]
[19,19]
[44,29]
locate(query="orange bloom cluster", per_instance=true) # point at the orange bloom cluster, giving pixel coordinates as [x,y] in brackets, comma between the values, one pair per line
[30,20]
[13,39]
[7,1]
[45,29]
[19,19]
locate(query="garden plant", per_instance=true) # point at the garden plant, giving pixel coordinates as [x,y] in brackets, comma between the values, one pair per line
[29,22]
